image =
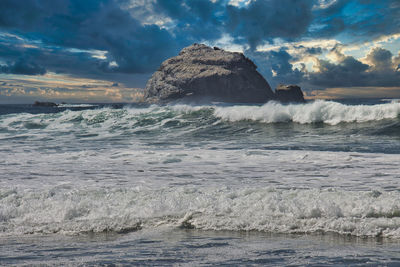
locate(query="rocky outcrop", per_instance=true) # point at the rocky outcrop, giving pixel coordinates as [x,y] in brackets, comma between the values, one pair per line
[44,104]
[202,73]
[289,93]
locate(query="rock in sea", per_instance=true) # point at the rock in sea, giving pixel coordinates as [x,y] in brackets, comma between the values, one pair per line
[289,93]
[44,104]
[203,73]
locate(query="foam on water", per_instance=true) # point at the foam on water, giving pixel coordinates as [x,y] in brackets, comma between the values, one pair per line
[271,191]
[73,211]
[223,168]
[76,105]
[328,112]
[318,111]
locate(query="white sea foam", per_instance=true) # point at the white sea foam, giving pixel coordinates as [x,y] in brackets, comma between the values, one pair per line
[318,111]
[74,211]
[390,100]
[77,105]
[129,189]
[59,178]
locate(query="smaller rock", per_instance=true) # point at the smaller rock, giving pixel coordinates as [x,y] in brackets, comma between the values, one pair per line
[44,104]
[289,93]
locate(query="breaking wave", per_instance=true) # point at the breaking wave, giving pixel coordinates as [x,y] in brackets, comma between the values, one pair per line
[318,111]
[74,211]
[328,112]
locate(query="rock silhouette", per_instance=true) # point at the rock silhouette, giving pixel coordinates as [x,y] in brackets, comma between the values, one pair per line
[44,104]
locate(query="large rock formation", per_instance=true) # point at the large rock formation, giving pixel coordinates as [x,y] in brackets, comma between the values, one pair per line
[289,93]
[202,73]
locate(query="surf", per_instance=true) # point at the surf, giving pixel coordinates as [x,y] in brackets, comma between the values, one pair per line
[318,111]
[74,211]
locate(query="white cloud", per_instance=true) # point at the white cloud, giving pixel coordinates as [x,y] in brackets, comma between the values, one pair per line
[240,3]
[143,11]
[226,42]
[322,4]
[292,47]
[100,54]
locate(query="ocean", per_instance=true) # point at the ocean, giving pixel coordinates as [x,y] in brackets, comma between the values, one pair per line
[199,185]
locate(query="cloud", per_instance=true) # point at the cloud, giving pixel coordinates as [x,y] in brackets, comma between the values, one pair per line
[380,59]
[264,20]
[59,88]
[350,72]
[136,36]
[90,25]
[360,20]
[286,65]
[193,20]
[355,92]
[22,66]
[276,66]
[130,45]
[396,63]
[48,59]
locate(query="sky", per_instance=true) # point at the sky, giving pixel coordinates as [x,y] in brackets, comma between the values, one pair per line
[105,50]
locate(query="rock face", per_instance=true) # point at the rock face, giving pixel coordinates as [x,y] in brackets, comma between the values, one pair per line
[289,93]
[203,73]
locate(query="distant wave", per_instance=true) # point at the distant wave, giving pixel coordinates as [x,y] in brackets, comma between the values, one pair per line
[72,211]
[390,100]
[318,111]
[77,105]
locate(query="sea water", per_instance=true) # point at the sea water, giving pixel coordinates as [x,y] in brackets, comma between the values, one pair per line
[221,184]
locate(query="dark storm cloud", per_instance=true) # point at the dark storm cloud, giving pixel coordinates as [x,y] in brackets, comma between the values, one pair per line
[89,25]
[348,72]
[310,50]
[56,59]
[265,20]
[129,45]
[22,66]
[380,59]
[261,21]
[360,19]
[383,17]
[194,20]
[276,67]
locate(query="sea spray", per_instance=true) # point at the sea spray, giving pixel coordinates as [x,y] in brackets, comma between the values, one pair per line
[314,112]
[319,111]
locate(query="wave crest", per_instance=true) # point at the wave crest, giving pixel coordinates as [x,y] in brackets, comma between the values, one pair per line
[318,111]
